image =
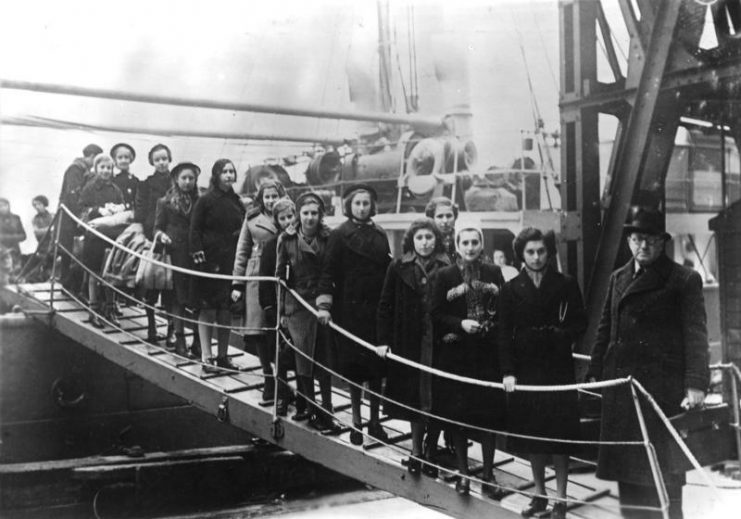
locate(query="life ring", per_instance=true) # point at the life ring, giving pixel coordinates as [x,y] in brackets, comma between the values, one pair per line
[67,392]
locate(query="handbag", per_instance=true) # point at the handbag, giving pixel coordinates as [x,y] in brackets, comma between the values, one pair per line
[708,434]
[151,276]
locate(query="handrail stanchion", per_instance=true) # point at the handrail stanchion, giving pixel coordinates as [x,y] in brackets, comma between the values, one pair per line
[278,306]
[653,462]
[736,415]
[57,232]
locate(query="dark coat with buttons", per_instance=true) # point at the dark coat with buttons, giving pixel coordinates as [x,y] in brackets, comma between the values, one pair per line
[353,271]
[150,190]
[404,324]
[653,328]
[537,328]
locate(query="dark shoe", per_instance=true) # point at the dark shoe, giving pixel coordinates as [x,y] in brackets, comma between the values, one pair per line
[414,466]
[155,339]
[282,407]
[180,347]
[356,437]
[225,363]
[209,367]
[110,315]
[96,321]
[300,416]
[559,510]
[429,470]
[331,426]
[537,504]
[491,491]
[195,348]
[316,422]
[375,429]
[463,486]
[268,390]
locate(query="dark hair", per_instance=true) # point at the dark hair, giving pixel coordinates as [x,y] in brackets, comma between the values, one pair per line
[433,204]
[418,224]
[91,150]
[269,184]
[310,198]
[156,148]
[533,234]
[351,195]
[216,170]
[41,198]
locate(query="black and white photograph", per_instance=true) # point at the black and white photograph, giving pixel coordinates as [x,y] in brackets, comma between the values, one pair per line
[370,259]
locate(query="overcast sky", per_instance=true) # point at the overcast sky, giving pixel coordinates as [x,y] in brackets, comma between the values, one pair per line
[294,53]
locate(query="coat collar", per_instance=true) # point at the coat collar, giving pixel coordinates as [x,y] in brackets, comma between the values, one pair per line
[654,277]
[549,285]
[408,262]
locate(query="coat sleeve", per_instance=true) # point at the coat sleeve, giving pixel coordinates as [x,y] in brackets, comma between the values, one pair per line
[603,336]
[694,333]
[438,305]
[197,219]
[160,216]
[140,202]
[331,267]
[505,337]
[385,311]
[575,319]
[266,290]
[244,250]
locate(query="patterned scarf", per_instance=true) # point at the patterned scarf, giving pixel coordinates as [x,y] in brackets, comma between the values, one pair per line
[181,201]
[475,296]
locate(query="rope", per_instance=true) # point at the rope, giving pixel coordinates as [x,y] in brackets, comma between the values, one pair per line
[445,374]
[444,419]
[675,435]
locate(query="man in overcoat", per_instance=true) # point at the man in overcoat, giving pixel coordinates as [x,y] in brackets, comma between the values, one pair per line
[653,328]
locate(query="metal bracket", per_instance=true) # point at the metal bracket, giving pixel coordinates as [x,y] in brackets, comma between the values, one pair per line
[222,412]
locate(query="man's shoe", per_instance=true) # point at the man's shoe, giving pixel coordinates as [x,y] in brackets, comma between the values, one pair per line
[559,510]
[225,363]
[375,430]
[537,504]
[490,490]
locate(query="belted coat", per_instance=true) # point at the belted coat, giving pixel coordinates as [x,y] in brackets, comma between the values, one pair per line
[653,328]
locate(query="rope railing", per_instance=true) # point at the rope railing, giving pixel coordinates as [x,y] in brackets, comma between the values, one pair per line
[390,355]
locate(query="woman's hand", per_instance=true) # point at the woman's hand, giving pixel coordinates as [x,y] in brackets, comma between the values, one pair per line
[236,295]
[470,326]
[165,239]
[509,383]
[457,291]
[694,398]
[382,351]
[323,316]
[199,257]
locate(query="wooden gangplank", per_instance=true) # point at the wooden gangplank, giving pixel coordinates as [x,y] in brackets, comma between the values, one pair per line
[375,464]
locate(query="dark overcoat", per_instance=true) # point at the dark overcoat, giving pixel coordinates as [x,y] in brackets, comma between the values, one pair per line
[473,356]
[653,328]
[537,328]
[353,271]
[404,324]
[129,185]
[215,222]
[96,194]
[176,224]
[150,190]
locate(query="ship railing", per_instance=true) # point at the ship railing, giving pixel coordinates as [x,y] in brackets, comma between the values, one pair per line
[637,390]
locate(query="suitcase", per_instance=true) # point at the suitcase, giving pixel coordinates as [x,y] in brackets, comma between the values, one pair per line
[708,434]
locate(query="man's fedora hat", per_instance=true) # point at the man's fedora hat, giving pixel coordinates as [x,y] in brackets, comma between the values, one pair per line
[646,221]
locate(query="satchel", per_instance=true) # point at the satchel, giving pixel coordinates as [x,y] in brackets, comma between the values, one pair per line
[151,276]
[708,434]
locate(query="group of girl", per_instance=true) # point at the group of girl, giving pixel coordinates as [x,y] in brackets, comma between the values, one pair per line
[440,304]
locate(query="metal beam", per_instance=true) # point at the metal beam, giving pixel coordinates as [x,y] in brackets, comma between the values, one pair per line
[604,28]
[630,159]
[417,121]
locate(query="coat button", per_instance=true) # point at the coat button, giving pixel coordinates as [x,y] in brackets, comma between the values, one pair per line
[424,281]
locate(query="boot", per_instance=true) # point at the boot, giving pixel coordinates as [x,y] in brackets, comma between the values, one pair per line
[152,337]
[301,405]
[268,390]
[170,342]
[195,347]
[110,314]
[95,321]
[180,347]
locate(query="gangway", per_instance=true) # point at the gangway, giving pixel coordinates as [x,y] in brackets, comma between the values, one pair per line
[234,397]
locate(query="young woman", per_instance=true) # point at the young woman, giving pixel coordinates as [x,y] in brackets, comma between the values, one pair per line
[541,314]
[353,271]
[172,224]
[214,228]
[100,197]
[405,326]
[257,229]
[150,190]
[464,302]
[301,251]
[123,155]
[284,216]
[444,213]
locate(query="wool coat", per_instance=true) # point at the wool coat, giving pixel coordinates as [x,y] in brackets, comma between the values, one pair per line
[300,265]
[150,190]
[473,356]
[255,232]
[537,328]
[96,194]
[129,185]
[404,324]
[215,221]
[175,224]
[653,328]
[353,271]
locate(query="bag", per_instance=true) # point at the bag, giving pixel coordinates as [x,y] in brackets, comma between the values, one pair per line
[150,276]
[708,434]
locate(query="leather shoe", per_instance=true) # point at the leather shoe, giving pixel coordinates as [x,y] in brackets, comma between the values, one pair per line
[537,504]
[559,510]
[463,486]
[300,416]
[375,429]
[491,491]
[225,363]
[356,437]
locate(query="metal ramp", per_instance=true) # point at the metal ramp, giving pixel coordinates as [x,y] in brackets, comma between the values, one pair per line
[379,465]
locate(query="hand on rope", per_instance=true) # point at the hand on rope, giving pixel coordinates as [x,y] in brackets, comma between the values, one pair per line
[165,239]
[324,316]
[509,383]
[199,257]
[236,295]
[694,398]
[382,351]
